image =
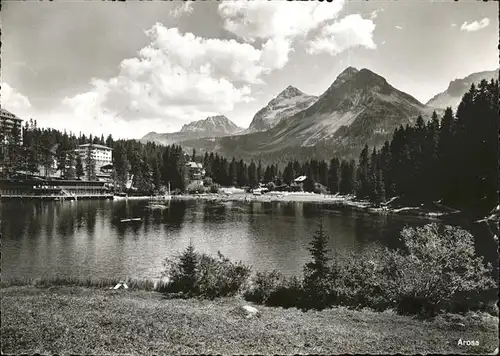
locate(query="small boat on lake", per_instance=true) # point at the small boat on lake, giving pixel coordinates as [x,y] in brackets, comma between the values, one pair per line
[130,220]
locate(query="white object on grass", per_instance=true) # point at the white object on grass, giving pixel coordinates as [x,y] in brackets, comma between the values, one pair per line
[121,284]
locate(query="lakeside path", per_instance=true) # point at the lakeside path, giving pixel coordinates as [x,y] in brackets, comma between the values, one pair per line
[95,321]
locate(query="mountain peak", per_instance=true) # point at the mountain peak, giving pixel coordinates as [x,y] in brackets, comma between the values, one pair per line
[290,101]
[349,71]
[289,92]
[214,124]
[346,75]
[457,88]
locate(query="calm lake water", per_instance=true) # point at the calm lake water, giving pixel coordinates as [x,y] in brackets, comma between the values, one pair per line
[83,239]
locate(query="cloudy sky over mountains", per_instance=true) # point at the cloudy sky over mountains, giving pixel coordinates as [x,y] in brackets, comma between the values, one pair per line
[131,68]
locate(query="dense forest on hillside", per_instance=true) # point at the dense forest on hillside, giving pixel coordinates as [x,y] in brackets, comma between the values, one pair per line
[453,159]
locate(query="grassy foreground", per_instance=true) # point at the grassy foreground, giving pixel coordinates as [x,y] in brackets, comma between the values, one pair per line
[82,320]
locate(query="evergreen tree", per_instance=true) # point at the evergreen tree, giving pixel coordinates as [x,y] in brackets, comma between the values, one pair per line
[79,167]
[252,175]
[189,269]
[363,185]
[156,175]
[242,174]
[347,177]
[317,272]
[309,182]
[260,173]
[334,176]
[90,166]
[233,173]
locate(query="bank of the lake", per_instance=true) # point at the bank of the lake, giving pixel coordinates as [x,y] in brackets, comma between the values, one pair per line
[344,201]
[80,320]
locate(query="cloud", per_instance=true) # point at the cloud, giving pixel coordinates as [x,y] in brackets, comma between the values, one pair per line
[350,31]
[184,9]
[281,23]
[398,27]
[251,20]
[14,101]
[375,13]
[179,77]
[453,25]
[276,23]
[476,25]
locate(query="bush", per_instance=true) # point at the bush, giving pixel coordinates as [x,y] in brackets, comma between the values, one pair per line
[219,277]
[208,181]
[195,274]
[271,186]
[438,268]
[274,289]
[319,189]
[363,279]
[195,187]
[214,188]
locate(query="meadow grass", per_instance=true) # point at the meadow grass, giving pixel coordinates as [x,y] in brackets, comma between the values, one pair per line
[48,282]
[80,320]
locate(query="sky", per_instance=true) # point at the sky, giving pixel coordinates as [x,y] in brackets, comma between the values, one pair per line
[129,68]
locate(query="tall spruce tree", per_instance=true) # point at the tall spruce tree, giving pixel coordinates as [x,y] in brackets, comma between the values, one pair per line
[334,176]
[79,172]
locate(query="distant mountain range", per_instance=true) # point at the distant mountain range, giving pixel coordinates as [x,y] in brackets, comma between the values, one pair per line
[289,102]
[457,88]
[212,126]
[360,107]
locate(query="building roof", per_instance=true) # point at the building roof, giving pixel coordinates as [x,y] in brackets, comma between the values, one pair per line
[300,179]
[194,165]
[95,145]
[6,113]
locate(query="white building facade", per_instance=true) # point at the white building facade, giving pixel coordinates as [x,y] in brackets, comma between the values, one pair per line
[102,156]
[7,122]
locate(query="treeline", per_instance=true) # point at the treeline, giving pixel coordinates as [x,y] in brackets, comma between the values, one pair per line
[152,167]
[454,160]
[35,148]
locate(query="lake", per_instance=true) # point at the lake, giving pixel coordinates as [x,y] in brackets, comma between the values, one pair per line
[83,239]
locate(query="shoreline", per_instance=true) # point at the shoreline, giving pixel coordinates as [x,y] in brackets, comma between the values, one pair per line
[291,197]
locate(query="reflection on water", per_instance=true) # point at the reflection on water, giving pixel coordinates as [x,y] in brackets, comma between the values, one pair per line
[86,239]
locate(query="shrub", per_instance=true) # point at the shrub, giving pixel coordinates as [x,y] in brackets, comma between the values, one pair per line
[319,189]
[271,186]
[274,289]
[214,188]
[208,181]
[219,277]
[263,285]
[195,187]
[438,267]
[362,279]
[195,274]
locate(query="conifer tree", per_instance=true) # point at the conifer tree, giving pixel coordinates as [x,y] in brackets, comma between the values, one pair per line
[189,268]
[90,166]
[318,268]
[363,185]
[79,167]
[334,176]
